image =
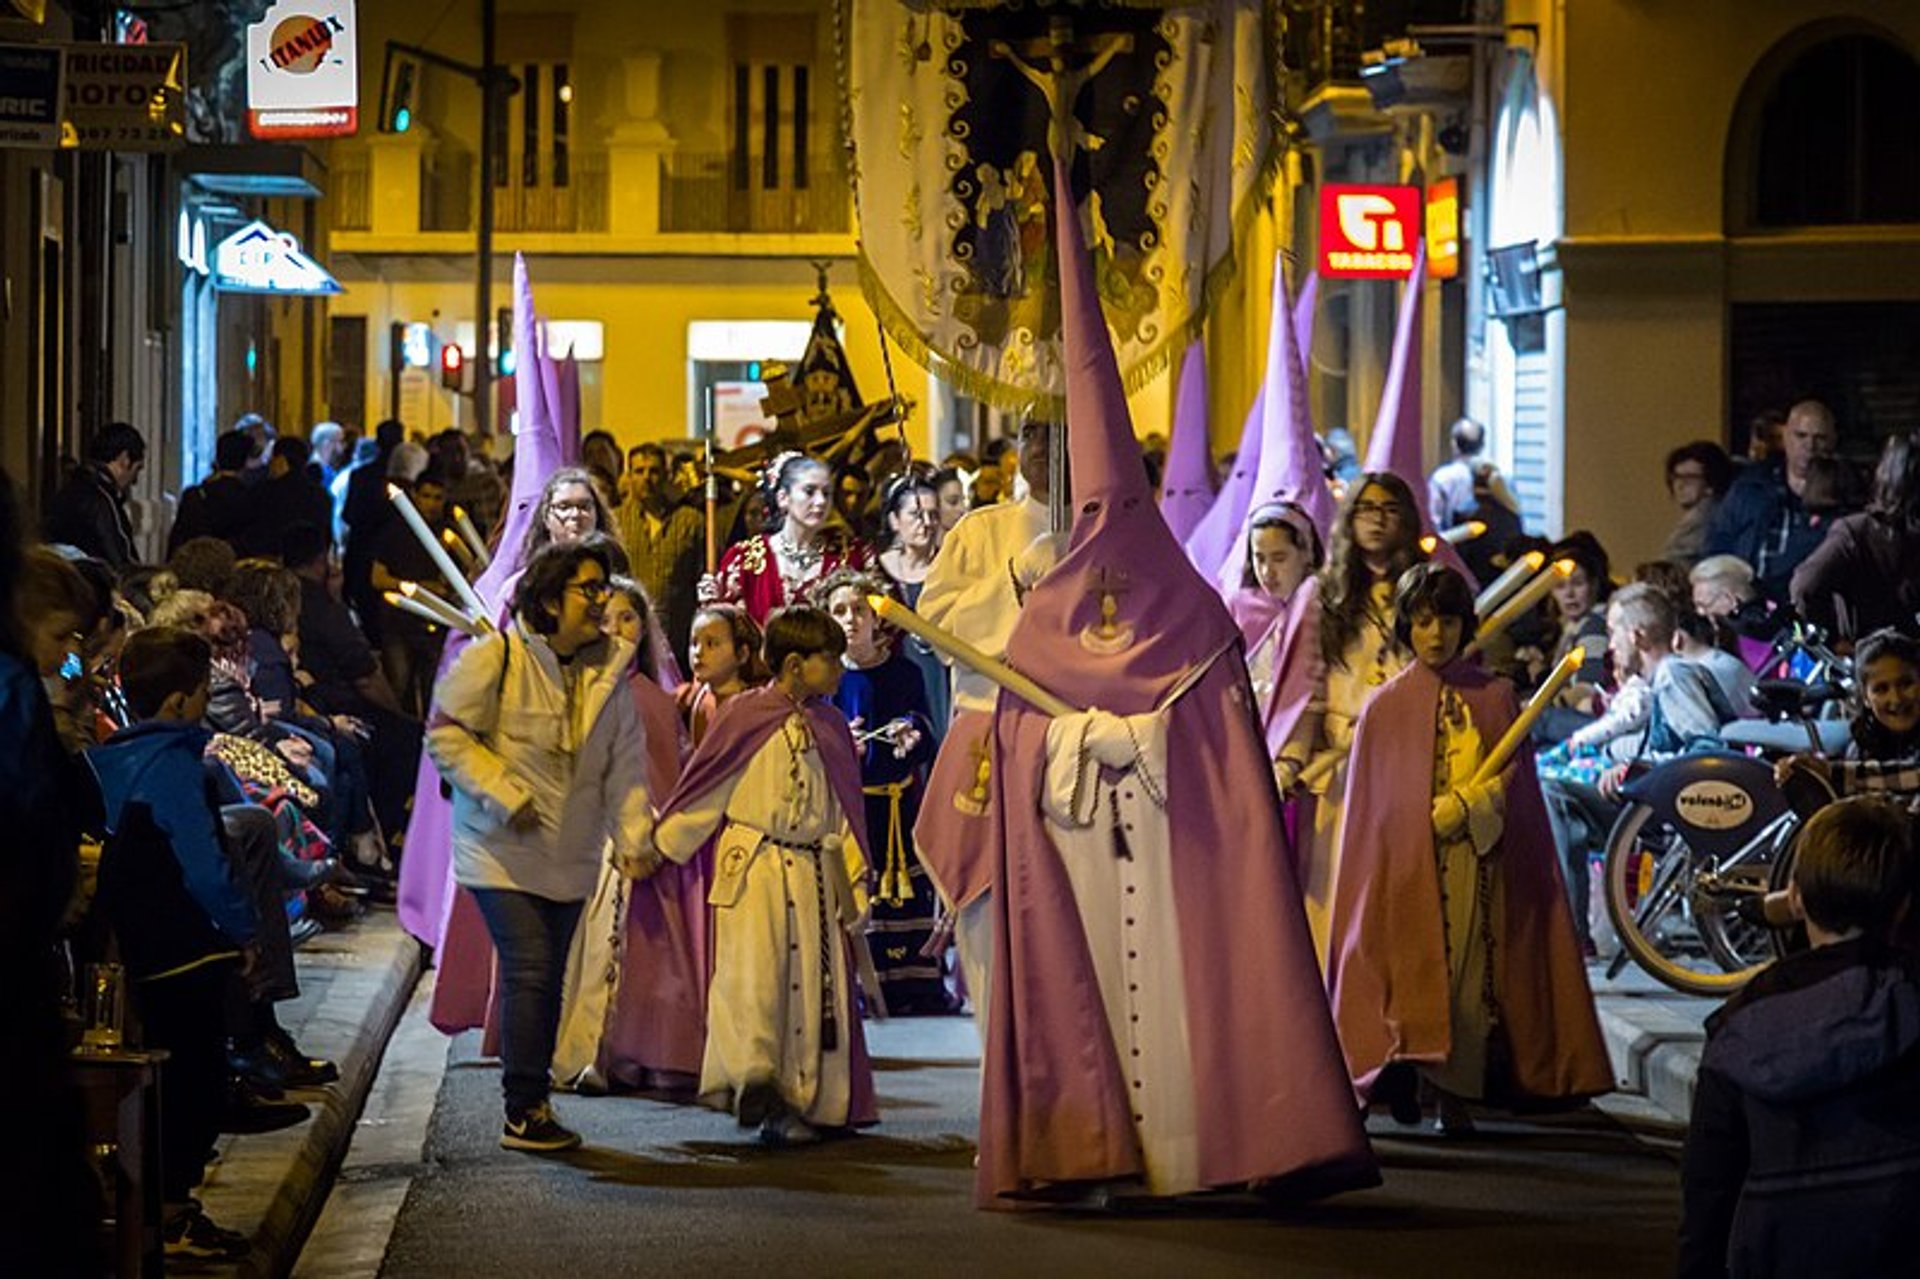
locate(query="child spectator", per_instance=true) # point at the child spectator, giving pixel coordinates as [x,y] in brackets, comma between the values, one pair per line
[777,778]
[724,656]
[182,920]
[1803,1157]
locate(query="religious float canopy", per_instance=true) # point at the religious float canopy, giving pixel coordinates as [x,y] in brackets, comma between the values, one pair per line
[1168,112]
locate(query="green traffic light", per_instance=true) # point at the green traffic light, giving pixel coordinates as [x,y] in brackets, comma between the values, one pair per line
[401,120]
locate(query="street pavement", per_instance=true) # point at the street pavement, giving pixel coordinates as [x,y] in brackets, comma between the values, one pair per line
[662,1190]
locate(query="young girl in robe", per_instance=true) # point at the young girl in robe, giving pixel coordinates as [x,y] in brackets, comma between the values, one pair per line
[1454,961]
[884,699]
[1375,539]
[770,795]
[723,653]
[1277,609]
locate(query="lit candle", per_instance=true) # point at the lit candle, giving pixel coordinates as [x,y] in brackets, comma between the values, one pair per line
[461,551]
[407,603]
[1516,733]
[1521,604]
[1463,532]
[897,614]
[471,535]
[1508,582]
[441,560]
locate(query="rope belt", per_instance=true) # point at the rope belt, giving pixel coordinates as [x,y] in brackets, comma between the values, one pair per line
[896,884]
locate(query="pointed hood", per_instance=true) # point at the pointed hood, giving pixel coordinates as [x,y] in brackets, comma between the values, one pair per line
[536,445]
[1187,488]
[1123,617]
[1303,314]
[1396,442]
[1218,529]
[1290,467]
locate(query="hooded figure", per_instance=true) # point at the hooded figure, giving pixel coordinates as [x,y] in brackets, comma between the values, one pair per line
[1187,489]
[1110,1017]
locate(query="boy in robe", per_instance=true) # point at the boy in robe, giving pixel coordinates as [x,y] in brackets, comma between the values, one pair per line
[1116,1058]
[777,778]
[1454,961]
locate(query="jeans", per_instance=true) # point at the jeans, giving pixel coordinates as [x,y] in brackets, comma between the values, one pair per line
[531,935]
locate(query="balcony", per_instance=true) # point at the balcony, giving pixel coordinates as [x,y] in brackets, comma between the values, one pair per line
[700,193]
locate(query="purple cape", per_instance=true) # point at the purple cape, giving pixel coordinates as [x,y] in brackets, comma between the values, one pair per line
[1054,1106]
[1387,970]
[1297,666]
[737,733]
[951,831]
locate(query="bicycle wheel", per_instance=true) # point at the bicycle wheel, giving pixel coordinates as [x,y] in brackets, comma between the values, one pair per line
[1655,897]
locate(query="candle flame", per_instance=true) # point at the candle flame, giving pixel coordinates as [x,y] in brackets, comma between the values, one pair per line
[1564,567]
[1429,543]
[1534,560]
[879,604]
[393,492]
[408,589]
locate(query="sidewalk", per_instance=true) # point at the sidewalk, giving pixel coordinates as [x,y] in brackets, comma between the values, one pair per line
[1654,1036]
[354,985]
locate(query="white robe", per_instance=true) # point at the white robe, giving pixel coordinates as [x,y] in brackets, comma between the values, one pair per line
[764,1005]
[1128,914]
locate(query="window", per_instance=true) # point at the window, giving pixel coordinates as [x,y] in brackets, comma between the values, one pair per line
[772,105]
[1837,137]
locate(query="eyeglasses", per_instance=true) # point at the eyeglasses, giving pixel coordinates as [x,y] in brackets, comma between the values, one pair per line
[1678,476]
[594,591]
[564,509]
[1376,510]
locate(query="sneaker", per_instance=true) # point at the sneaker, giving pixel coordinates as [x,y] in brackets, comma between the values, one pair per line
[788,1130]
[192,1236]
[538,1130]
[759,1104]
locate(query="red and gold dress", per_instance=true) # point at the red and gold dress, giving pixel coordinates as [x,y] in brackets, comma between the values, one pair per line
[750,573]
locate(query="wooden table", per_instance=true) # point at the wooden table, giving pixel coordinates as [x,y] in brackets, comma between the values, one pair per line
[121,1092]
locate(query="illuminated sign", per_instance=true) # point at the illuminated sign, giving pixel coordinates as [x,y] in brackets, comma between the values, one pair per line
[1443,229]
[125,97]
[1368,232]
[303,70]
[259,259]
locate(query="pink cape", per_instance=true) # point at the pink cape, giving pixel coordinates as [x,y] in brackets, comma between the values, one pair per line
[1297,667]
[1388,966]
[951,831]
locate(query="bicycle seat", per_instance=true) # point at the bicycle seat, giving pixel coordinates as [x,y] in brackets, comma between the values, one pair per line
[1778,738]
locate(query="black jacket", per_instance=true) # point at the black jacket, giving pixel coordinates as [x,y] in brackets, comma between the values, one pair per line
[223,505]
[91,514]
[1803,1157]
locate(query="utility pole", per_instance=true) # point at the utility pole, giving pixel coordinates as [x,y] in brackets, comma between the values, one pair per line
[483,231]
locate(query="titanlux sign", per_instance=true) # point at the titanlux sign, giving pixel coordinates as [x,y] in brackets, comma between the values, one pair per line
[303,76]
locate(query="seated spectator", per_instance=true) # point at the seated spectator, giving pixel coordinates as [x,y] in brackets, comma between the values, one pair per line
[1725,593]
[183,922]
[1883,757]
[1693,641]
[1765,519]
[1803,1154]
[202,564]
[90,511]
[223,505]
[1865,575]
[1698,477]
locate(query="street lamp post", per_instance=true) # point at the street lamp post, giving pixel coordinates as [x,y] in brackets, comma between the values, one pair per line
[483,232]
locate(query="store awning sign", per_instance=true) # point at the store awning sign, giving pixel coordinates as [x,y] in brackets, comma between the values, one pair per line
[303,70]
[1368,232]
[125,97]
[259,259]
[1443,229]
[30,95]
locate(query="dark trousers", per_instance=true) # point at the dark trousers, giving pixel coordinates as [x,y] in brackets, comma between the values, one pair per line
[531,935]
[412,658]
[1582,820]
[253,845]
[186,1015]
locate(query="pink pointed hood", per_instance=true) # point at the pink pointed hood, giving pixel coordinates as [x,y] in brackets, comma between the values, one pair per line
[1303,313]
[1187,488]
[536,446]
[1218,529]
[1164,619]
[1290,468]
[1396,442]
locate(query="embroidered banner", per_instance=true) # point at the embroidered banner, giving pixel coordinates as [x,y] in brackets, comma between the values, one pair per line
[1167,113]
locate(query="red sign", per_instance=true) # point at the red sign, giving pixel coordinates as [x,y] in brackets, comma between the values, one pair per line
[1443,229]
[1368,232]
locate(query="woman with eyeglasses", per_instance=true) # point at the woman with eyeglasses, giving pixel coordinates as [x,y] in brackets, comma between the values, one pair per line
[1376,538]
[534,730]
[911,512]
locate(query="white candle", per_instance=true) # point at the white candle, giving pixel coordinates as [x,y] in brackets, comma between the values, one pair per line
[1521,604]
[420,608]
[1463,532]
[441,560]
[1508,582]
[478,544]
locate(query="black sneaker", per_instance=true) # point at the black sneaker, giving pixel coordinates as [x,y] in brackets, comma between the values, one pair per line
[538,1130]
[192,1236]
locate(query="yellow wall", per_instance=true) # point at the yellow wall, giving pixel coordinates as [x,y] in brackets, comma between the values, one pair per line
[1647,93]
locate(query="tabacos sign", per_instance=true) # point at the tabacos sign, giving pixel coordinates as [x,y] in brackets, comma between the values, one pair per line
[303,77]
[1369,232]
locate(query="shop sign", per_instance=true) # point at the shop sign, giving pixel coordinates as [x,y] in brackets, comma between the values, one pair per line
[30,95]
[259,259]
[1443,229]
[125,97]
[1368,232]
[303,70]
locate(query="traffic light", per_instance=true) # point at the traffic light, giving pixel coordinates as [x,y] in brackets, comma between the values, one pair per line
[397,86]
[452,366]
[503,342]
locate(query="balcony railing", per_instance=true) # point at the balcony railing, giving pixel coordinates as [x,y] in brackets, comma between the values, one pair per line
[350,190]
[580,205]
[699,193]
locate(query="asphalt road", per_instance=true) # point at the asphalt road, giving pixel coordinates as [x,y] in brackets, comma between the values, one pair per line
[665,1191]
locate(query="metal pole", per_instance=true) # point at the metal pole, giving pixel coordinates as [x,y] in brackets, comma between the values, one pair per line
[483,230]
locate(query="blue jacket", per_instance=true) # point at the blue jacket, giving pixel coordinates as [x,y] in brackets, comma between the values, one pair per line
[1764,523]
[166,881]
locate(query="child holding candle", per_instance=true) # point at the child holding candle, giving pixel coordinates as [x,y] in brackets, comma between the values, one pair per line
[1454,958]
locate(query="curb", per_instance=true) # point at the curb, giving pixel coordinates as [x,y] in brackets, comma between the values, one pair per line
[273,1186]
[1654,1045]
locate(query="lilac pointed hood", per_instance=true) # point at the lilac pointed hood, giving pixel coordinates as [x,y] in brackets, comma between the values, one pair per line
[1120,547]
[1303,314]
[1187,488]
[1290,468]
[536,443]
[1396,443]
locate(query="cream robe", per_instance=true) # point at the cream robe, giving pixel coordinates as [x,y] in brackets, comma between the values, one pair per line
[1128,914]
[764,1005]
[1458,751]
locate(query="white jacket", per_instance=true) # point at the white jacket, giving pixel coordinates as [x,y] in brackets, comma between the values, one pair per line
[504,730]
